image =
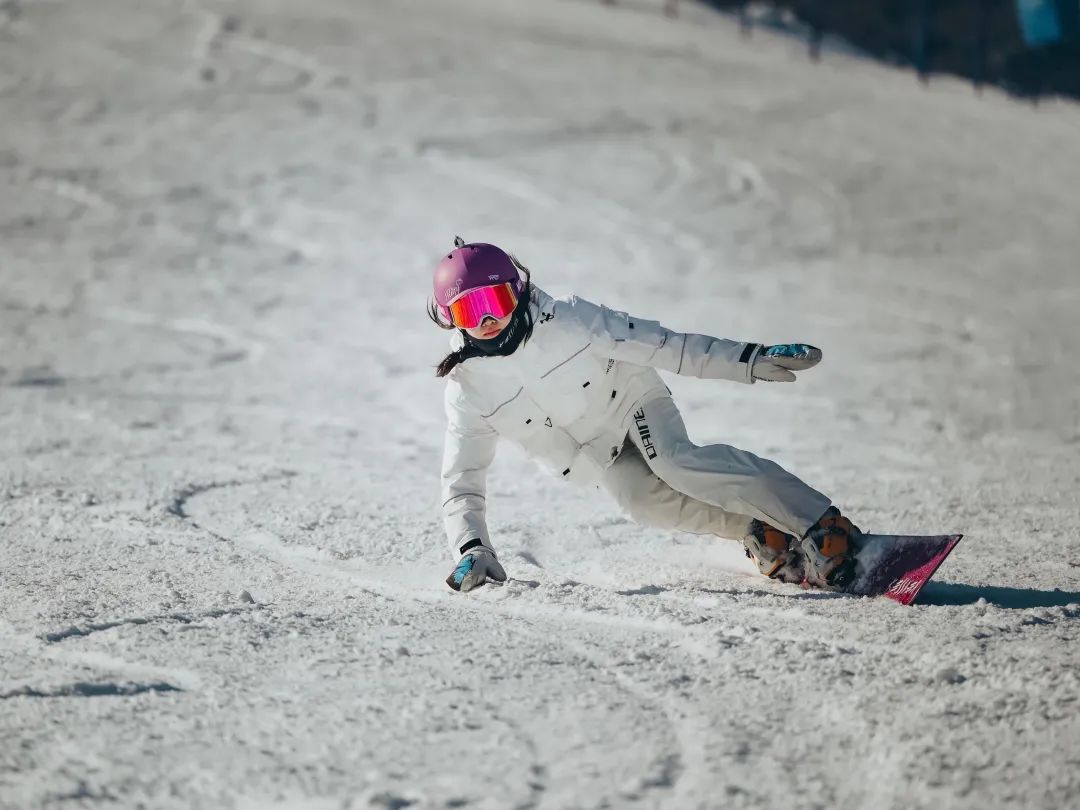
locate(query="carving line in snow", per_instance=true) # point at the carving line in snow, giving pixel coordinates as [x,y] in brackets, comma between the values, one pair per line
[190,491]
[220,37]
[176,507]
[231,344]
[183,618]
[89,689]
[69,186]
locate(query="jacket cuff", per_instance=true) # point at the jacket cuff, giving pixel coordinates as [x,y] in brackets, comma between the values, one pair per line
[750,354]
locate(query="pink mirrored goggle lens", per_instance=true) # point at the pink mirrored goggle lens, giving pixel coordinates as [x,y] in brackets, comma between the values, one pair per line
[469,311]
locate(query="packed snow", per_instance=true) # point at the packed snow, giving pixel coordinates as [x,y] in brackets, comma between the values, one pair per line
[221,550]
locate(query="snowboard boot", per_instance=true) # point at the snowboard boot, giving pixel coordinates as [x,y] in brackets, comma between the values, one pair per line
[829,549]
[776,554]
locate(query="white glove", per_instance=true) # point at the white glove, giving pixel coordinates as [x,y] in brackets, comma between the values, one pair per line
[476,566]
[776,363]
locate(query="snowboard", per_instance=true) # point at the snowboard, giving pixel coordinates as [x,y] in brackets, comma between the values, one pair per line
[897,566]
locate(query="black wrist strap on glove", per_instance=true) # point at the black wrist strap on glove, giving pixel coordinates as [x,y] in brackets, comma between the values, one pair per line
[471,544]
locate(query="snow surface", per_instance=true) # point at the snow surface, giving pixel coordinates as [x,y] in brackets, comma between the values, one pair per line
[222,559]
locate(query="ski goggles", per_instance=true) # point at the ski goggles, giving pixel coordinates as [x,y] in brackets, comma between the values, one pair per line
[468,310]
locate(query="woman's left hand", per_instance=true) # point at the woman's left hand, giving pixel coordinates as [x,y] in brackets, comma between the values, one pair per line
[477,566]
[778,363]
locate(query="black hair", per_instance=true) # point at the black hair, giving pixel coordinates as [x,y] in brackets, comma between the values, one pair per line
[470,349]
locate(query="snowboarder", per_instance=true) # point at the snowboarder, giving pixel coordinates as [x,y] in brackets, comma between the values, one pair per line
[576,385]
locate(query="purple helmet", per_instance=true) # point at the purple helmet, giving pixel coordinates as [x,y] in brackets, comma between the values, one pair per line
[467,267]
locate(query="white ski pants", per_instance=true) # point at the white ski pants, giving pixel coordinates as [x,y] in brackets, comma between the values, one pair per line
[663,479]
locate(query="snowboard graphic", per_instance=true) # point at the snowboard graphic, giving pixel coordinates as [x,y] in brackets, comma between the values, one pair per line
[897,566]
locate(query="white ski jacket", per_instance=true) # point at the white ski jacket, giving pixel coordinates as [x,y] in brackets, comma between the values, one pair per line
[567,396]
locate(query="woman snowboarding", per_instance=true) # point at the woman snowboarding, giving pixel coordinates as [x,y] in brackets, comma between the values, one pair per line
[576,385]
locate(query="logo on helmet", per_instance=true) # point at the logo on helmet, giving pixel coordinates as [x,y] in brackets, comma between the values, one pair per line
[454,291]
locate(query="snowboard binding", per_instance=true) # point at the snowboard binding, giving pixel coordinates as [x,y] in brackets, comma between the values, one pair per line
[824,558]
[829,548]
[777,555]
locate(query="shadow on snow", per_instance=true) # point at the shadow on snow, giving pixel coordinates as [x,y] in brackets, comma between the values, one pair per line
[950,593]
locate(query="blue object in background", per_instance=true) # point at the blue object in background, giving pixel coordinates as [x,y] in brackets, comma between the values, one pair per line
[1040,22]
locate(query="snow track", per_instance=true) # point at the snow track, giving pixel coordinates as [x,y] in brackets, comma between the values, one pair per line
[221,556]
[658,718]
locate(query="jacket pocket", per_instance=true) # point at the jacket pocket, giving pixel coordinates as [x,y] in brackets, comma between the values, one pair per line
[567,389]
[516,418]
